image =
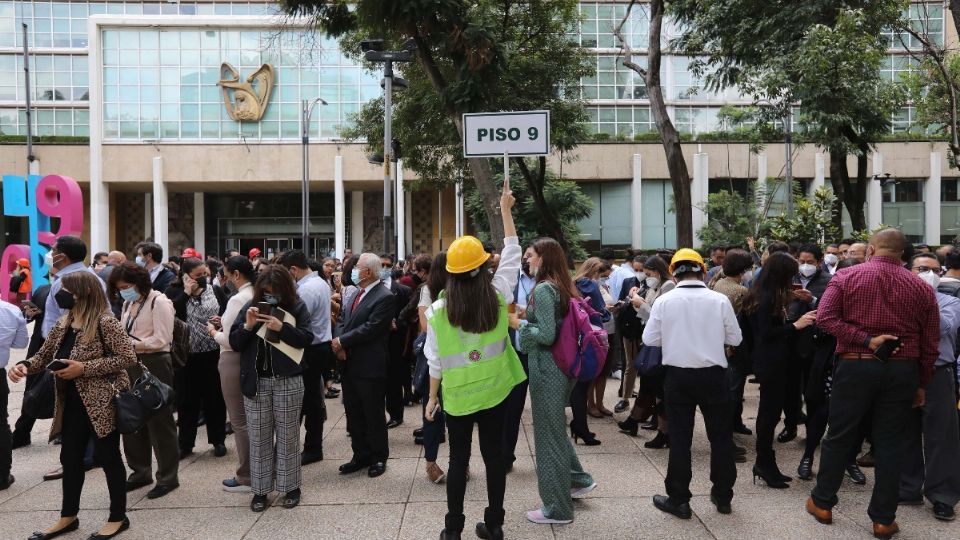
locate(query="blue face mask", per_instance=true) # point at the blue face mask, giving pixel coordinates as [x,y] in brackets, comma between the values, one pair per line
[130,295]
[140,261]
[385,274]
[355,276]
[271,299]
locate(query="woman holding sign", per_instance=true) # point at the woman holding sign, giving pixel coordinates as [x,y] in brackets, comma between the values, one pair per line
[270,336]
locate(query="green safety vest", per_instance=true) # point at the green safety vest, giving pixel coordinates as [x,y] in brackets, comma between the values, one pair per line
[485,367]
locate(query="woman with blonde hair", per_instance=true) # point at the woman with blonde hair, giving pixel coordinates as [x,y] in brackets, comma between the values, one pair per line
[88,352]
[587,282]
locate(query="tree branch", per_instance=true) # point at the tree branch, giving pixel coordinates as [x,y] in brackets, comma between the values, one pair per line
[627,51]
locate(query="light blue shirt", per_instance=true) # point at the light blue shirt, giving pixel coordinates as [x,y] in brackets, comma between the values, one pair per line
[525,285]
[617,277]
[949,323]
[315,293]
[52,311]
[13,331]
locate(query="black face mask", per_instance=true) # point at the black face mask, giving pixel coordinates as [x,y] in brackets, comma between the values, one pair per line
[202,282]
[525,265]
[64,299]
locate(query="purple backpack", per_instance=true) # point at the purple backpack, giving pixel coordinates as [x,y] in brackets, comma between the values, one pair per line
[581,348]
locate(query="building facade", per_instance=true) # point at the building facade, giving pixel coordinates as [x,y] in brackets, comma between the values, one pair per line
[192,110]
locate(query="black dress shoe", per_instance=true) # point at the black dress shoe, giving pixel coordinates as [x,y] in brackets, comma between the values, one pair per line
[228,429]
[682,511]
[629,426]
[662,440]
[160,490]
[722,507]
[19,440]
[805,469]
[394,423]
[47,536]
[943,512]
[377,469]
[418,432]
[856,475]
[352,467]
[258,503]
[489,533]
[133,485]
[219,450]
[7,482]
[310,457]
[742,430]
[291,499]
[621,406]
[418,441]
[787,435]
[124,526]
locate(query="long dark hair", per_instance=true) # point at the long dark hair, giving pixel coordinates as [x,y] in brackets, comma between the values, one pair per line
[472,302]
[774,281]
[281,284]
[553,269]
[347,269]
[659,266]
[437,278]
[239,263]
[130,273]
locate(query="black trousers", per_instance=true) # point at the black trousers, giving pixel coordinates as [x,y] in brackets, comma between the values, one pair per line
[202,390]
[736,380]
[398,377]
[363,405]
[512,411]
[314,411]
[798,369]
[578,406]
[885,392]
[25,422]
[684,391]
[490,423]
[6,437]
[77,431]
[772,399]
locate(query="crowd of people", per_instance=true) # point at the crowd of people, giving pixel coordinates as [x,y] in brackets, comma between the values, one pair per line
[856,342]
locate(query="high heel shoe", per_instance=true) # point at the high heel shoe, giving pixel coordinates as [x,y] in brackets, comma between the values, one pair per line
[629,426]
[662,440]
[589,439]
[771,477]
[805,470]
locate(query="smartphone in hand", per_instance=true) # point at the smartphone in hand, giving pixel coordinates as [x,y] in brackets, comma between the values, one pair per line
[57,365]
[884,351]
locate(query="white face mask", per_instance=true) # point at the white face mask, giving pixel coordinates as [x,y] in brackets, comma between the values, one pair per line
[831,259]
[807,270]
[931,278]
[652,282]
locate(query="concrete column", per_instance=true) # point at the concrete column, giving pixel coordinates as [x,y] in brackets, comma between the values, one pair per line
[401,213]
[161,224]
[408,223]
[875,195]
[147,215]
[760,189]
[698,194]
[339,209]
[931,202]
[199,224]
[459,224]
[636,203]
[356,222]
[34,167]
[819,176]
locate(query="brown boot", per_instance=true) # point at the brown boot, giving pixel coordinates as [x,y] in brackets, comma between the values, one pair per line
[435,473]
[823,516]
[885,531]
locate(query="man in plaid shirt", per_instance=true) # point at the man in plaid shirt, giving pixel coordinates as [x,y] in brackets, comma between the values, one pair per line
[863,307]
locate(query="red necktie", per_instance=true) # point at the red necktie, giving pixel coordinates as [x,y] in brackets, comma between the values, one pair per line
[356,301]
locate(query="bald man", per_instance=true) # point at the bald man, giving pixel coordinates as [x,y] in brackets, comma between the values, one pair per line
[858,251]
[114,259]
[865,307]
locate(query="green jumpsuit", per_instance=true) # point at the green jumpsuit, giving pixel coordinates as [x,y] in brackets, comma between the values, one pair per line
[558,469]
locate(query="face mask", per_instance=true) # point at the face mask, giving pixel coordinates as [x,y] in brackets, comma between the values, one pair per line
[603,281]
[831,259]
[202,282]
[931,278]
[355,276]
[48,259]
[130,295]
[64,299]
[525,266]
[271,299]
[140,261]
[385,274]
[807,270]
[652,282]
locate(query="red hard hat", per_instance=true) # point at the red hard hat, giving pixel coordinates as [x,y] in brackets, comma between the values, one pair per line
[190,252]
[255,252]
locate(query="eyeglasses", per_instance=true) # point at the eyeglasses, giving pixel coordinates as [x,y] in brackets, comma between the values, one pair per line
[922,269]
[386,265]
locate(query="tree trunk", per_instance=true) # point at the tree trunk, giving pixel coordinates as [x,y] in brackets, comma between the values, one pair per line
[838,169]
[679,175]
[861,191]
[536,180]
[955,13]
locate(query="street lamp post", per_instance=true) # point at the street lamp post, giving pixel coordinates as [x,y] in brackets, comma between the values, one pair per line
[308,106]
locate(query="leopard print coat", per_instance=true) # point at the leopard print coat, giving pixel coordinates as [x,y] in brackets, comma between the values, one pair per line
[94,386]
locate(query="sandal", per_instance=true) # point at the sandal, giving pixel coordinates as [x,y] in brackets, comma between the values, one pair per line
[259,503]
[291,499]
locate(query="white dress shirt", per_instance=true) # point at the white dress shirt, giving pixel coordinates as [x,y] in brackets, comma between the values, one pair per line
[315,293]
[692,324]
[13,331]
[243,297]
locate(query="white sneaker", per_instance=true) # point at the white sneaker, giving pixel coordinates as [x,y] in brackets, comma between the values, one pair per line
[618,374]
[537,516]
[233,485]
[579,493]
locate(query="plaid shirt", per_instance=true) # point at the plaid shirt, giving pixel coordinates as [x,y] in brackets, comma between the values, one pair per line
[882,297]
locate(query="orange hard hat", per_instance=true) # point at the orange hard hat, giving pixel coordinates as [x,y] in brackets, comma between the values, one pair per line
[24,263]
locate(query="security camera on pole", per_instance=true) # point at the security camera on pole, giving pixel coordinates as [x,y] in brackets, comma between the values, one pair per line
[373,52]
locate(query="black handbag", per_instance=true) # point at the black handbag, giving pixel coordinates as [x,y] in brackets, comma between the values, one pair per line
[649,361]
[40,399]
[145,398]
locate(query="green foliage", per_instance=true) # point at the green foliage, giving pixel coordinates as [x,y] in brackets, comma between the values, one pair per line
[43,139]
[929,92]
[865,234]
[563,195]
[812,220]
[731,219]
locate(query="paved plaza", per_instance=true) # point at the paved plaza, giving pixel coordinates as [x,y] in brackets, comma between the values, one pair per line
[402,504]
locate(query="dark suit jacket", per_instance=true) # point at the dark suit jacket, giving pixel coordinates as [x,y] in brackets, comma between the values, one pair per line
[164,279]
[365,333]
[398,337]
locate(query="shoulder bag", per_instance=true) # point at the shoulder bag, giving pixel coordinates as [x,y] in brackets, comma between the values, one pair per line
[146,397]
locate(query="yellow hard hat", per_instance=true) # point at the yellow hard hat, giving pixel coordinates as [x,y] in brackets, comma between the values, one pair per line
[686,255]
[465,254]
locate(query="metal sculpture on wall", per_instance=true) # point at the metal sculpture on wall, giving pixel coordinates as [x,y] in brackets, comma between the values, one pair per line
[250,97]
